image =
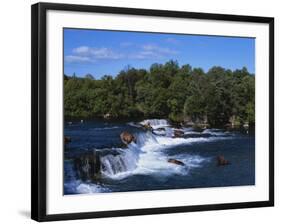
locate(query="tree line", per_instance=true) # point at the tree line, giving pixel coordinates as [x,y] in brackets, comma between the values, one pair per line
[179,93]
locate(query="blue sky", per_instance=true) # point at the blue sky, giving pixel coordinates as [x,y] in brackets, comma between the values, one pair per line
[99,52]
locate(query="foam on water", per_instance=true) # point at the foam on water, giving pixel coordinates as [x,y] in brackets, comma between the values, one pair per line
[147,156]
[215,132]
[125,161]
[156,123]
[77,186]
[89,188]
[190,131]
[133,124]
[84,187]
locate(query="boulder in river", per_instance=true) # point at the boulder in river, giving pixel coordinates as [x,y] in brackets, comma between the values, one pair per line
[67,139]
[159,131]
[178,133]
[175,161]
[221,161]
[88,166]
[127,137]
[147,126]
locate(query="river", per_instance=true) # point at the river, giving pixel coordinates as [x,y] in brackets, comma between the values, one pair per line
[143,164]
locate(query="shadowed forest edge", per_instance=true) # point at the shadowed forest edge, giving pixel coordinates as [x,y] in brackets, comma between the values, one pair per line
[182,94]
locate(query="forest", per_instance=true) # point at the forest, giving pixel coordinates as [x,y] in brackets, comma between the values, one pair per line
[181,94]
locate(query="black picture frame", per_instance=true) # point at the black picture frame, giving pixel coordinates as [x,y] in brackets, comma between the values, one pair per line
[38,108]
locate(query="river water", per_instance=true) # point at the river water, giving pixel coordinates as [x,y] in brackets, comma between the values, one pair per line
[144,165]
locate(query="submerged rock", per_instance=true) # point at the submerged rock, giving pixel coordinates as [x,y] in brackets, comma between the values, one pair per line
[88,166]
[178,133]
[147,126]
[175,161]
[221,161]
[67,139]
[159,131]
[127,137]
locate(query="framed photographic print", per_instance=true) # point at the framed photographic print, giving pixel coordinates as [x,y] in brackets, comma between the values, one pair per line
[139,111]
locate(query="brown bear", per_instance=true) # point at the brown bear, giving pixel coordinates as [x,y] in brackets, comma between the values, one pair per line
[221,161]
[127,138]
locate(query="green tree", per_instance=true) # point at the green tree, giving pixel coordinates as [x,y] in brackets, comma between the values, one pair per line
[164,91]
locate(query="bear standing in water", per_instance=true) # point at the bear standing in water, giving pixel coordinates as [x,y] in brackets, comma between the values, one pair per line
[221,161]
[127,138]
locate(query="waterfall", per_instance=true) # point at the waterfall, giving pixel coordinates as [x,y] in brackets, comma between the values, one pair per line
[156,123]
[125,161]
[146,155]
[145,138]
[88,165]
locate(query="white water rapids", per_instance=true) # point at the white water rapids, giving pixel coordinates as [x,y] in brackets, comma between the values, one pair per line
[148,157]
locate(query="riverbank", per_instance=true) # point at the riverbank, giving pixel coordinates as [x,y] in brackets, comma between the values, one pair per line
[200,126]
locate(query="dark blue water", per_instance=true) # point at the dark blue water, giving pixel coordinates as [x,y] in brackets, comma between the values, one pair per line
[144,165]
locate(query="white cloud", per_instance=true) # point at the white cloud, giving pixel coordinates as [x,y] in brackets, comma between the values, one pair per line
[157,49]
[144,55]
[172,40]
[149,51]
[81,50]
[75,58]
[92,54]
[104,53]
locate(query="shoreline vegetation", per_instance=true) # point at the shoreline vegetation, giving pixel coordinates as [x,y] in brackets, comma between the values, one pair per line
[184,95]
